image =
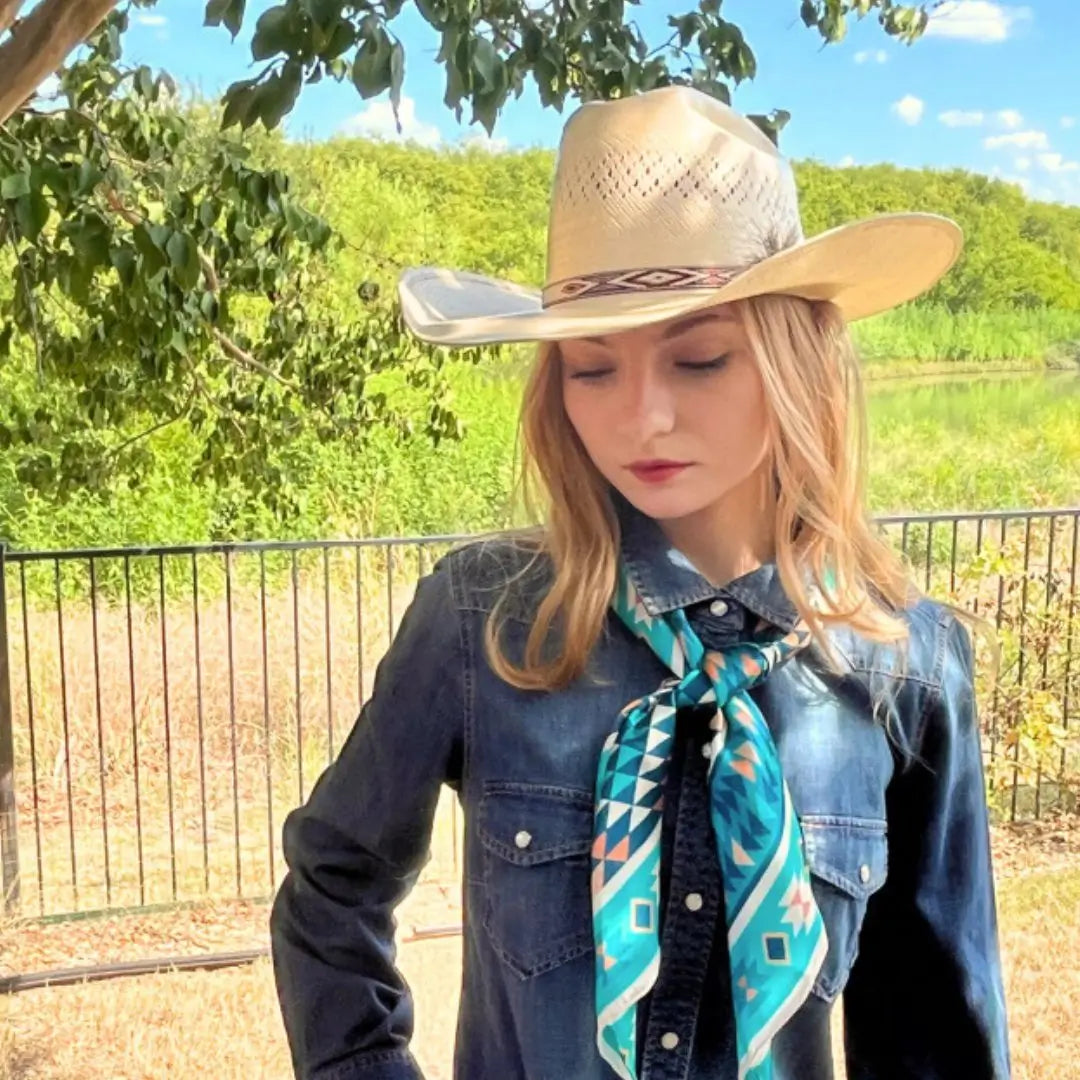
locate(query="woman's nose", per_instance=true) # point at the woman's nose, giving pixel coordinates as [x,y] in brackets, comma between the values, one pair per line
[650,402]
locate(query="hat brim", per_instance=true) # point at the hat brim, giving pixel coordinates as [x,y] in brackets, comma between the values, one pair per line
[864,267]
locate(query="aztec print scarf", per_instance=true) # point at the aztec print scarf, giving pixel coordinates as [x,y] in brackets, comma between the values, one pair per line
[776,937]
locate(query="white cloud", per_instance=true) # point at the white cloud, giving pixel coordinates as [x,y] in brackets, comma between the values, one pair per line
[377,121]
[1023,163]
[1068,121]
[959,118]
[1056,163]
[846,162]
[1022,140]
[909,109]
[975,20]
[878,56]
[151,20]
[1009,118]
[482,141]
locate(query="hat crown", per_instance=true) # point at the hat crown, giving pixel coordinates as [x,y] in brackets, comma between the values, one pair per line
[667,180]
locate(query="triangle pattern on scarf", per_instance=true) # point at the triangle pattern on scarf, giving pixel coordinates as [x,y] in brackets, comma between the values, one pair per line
[780,943]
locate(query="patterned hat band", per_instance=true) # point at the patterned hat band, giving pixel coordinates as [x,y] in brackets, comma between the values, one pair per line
[643,280]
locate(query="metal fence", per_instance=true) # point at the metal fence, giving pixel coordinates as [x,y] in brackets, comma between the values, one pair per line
[161,709]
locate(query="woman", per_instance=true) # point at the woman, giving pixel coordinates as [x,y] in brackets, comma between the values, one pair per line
[718,759]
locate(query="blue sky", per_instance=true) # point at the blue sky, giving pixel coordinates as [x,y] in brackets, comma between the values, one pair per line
[993,87]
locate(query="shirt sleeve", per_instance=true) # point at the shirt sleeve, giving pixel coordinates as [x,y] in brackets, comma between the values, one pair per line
[925,998]
[354,850]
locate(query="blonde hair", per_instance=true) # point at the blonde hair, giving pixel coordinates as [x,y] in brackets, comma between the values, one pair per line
[817,461]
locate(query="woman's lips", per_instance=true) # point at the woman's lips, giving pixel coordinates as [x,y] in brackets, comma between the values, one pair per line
[656,472]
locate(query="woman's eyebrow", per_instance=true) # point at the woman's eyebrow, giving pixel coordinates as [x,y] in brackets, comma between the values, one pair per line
[684,326]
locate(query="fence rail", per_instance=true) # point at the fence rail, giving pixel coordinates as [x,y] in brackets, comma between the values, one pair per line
[162,708]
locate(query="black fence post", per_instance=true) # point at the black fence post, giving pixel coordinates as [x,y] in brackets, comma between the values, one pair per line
[9,830]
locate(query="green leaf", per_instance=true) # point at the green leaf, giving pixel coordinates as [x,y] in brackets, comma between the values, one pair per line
[239,99]
[433,11]
[278,94]
[180,249]
[485,60]
[611,59]
[184,257]
[324,13]
[89,177]
[152,253]
[229,12]
[124,261]
[145,84]
[485,109]
[89,238]
[31,214]
[209,307]
[343,38]
[61,178]
[273,33]
[74,278]
[15,185]
[687,25]
[371,66]
[177,341]
[532,42]
[397,73]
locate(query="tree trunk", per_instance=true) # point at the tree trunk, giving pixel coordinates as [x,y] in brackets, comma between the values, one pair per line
[8,10]
[40,42]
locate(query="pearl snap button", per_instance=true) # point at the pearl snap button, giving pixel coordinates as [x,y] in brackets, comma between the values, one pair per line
[694,901]
[669,1040]
[719,607]
[523,839]
[864,873]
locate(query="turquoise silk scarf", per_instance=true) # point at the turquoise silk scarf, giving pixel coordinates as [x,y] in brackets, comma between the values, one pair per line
[776,938]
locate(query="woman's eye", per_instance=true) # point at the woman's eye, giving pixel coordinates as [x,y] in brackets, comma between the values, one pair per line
[591,373]
[704,365]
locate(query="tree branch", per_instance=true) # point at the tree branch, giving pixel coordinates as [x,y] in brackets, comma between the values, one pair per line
[40,43]
[228,346]
[8,10]
[116,451]
[31,303]
[232,349]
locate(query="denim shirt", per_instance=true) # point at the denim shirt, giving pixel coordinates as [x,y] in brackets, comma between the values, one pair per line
[890,798]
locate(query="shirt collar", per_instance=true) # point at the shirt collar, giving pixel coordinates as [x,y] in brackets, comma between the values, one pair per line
[665,579]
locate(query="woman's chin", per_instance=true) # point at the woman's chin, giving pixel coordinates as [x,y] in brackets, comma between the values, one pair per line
[665,501]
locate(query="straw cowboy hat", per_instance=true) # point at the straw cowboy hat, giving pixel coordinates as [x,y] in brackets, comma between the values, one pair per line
[669,201]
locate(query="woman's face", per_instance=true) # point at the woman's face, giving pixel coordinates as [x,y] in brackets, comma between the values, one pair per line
[686,392]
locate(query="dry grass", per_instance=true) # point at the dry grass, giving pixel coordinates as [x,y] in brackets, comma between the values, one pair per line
[183,752]
[176,1026]
[1040,915]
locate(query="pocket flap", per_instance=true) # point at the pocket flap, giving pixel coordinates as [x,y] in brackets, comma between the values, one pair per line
[529,824]
[851,854]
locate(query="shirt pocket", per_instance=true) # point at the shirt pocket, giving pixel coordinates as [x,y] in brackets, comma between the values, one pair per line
[848,862]
[536,841]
